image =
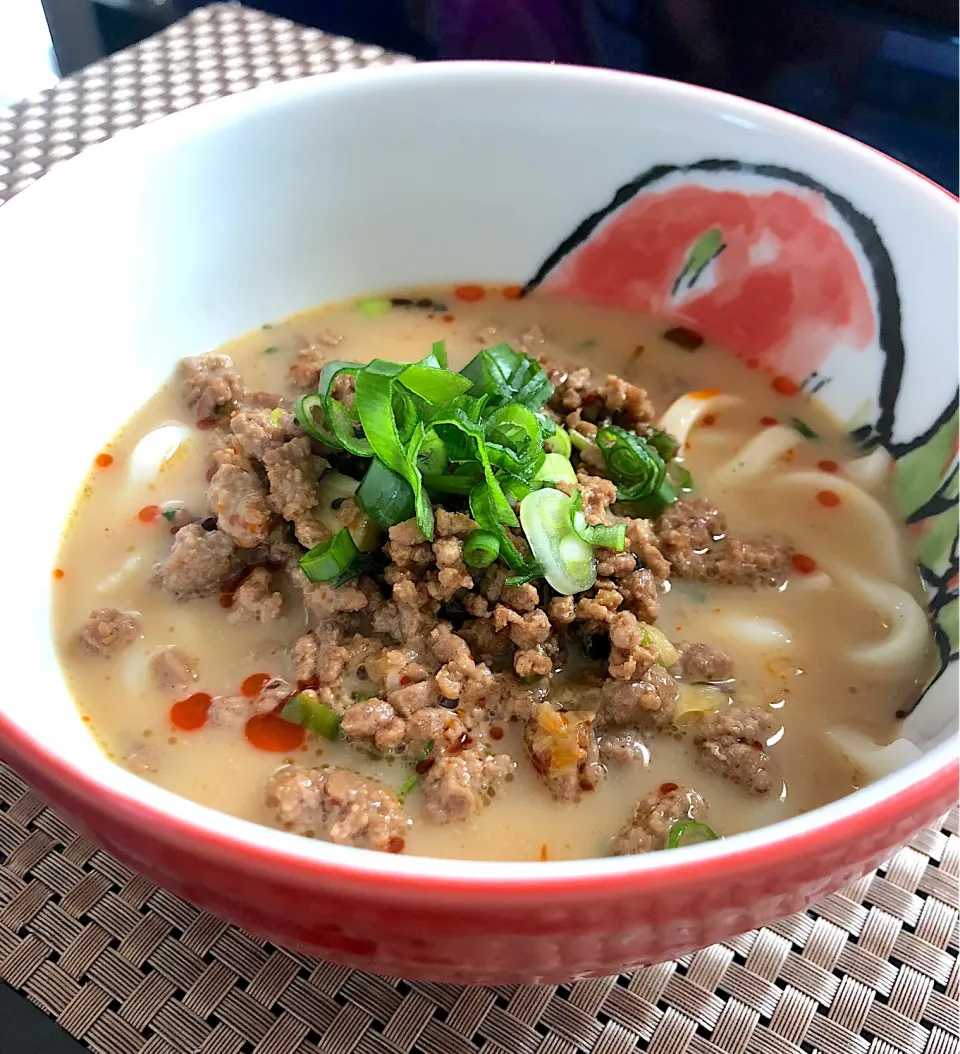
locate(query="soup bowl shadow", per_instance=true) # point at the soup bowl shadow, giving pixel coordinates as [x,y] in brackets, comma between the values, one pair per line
[178,236]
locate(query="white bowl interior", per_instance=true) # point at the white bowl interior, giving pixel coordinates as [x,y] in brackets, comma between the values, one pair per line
[169,240]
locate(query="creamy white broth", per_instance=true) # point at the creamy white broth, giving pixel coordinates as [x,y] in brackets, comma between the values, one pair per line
[807,674]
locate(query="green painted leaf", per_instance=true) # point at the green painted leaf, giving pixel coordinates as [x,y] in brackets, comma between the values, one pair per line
[934,547]
[917,476]
[708,246]
[947,619]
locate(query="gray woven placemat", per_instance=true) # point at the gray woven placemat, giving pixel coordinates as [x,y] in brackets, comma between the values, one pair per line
[130,969]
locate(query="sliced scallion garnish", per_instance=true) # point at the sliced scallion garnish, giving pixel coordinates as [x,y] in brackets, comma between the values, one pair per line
[608,536]
[556,469]
[637,468]
[568,562]
[689,832]
[309,712]
[408,784]
[559,443]
[432,383]
[384,496]
[507,376]
[480,549]
[328,560]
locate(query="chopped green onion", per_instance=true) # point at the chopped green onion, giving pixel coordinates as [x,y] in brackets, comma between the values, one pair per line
[384,496]
[637,469]
[303,709]
[438,352]
[664,444]
[689,832]
[515,489]
[579,440]
[461,481]
[305,412]
[425,753]
[432,455]
[514,439]
[568,562]
[507,376]
[652,505]
[329,559]
[803,428]
[373,308]
[528,574]
[377,410]
[679,476]
[408,784]
[169,514]
[556,469]
[601,534]
[630,460]
[342,419]
[271,351]
[480,549]
[559,443]
[275,417]
[434,384]
[329,371]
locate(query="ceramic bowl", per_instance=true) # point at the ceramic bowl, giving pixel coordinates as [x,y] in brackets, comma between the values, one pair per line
[840,266]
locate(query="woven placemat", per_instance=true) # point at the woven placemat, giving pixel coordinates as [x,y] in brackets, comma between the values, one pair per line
[130,969]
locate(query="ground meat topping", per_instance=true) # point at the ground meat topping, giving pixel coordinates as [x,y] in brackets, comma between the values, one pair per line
[630,653]
[703,662]
[622,748]
[458,786]
[426,659]
[649,700]
[210,385]
[304,371]
[197,564]
[238,498]
[649,827]
[259,430]
[337,805]
[563,751]
[108,631]
[294,472]
[614,399]
[693,538]
[732,741]
[172,669]
[255,599]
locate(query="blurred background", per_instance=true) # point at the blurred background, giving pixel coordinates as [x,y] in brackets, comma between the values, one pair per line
[883,71]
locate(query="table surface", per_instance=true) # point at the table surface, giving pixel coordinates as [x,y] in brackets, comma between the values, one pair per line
[127,968]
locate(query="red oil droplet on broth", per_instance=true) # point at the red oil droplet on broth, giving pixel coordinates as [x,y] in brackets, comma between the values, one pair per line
[469,293]
[271,733]
[191,713]
[829,499]
[104,460]
[251,685]
[768,422]
[149,514]
[828,466]
[803,564]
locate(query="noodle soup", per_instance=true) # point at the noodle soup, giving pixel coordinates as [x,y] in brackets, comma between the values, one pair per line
[647,596]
